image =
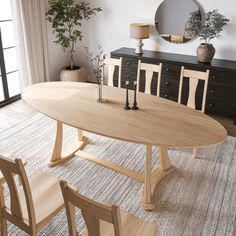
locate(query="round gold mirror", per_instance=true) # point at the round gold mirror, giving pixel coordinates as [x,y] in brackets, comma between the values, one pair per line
[171,20]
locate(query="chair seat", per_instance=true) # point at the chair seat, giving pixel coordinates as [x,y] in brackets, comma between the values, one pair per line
[131,225]
[47,198]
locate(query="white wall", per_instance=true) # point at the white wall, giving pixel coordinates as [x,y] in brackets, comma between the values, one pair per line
[111,30]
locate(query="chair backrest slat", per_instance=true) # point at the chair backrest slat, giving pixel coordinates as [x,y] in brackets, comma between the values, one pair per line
[149,70]
[193,83]
[92,223]
[9,169]
[111,63]
[92,212]
[194,77]
[14,196]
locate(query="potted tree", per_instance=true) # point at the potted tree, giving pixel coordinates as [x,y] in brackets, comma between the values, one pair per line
[66,17]
[206,30]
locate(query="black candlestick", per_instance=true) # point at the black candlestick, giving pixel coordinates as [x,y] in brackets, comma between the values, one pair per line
[127,107]
[135,107]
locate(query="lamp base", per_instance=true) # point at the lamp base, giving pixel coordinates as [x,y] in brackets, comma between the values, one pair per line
[139,49]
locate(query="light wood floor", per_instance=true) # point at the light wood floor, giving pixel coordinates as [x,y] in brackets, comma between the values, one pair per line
[14,113]
[18,111]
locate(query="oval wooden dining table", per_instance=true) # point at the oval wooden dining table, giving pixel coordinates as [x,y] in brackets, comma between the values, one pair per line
[158,122]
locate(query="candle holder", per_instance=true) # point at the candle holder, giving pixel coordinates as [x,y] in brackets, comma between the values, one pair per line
[135,107]
[127,107]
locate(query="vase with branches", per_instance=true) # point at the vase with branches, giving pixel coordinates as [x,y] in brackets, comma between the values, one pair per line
[96,63]
[206,30]
[66,18]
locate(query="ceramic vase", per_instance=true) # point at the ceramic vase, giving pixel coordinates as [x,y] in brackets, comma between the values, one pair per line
[79,74]
[205,52]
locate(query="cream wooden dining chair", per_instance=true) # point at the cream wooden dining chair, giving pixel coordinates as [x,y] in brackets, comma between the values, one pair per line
[101,219]
[31,205]
[111,64]
[194,77]
[149,70]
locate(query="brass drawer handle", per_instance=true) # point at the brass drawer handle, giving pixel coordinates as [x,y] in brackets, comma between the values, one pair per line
[128,76]
[128,63]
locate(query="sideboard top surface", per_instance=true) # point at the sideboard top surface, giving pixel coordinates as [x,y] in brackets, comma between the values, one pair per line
[175,58]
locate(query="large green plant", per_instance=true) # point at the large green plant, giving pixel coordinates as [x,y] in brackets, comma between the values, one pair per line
[208,29]
[66,17]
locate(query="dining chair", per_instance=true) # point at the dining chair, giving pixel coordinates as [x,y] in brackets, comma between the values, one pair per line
[111,64]
[149,71]
[101,219]
[194,76]
[31,205]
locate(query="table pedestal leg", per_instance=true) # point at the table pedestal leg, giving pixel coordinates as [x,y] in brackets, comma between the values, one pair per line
[148,204]
[57,156]
[153,177]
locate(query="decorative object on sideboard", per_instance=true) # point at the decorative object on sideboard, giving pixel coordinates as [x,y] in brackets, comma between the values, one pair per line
[171,17]
[66,17]
[127,107]
[96,63]
[135,107]
[207,30]
[139,31]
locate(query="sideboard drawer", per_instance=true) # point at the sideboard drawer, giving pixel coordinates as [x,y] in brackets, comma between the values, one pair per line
[223,85]
[170,95]
[220,108]
[130,76]
[172,69]
[129,63]
[129,71]
[169,83]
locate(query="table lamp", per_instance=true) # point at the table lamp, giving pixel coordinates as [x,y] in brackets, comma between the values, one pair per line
[139,31]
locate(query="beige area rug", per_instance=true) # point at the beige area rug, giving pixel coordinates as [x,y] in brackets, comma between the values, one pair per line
[198,198]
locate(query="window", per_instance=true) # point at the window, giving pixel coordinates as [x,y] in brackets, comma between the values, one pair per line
[9,74]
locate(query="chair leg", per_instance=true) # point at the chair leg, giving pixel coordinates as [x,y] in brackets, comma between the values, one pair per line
[3,227]
[3,222]
[194,155]
[33,233]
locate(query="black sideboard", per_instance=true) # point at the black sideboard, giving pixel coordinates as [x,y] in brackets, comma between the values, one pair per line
[221,93]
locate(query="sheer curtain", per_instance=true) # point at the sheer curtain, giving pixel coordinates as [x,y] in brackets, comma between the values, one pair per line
[32,37]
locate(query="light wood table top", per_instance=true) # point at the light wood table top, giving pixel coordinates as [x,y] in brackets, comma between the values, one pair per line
[157,122]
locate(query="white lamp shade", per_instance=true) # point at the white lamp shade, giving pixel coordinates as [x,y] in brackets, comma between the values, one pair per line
[139,31]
